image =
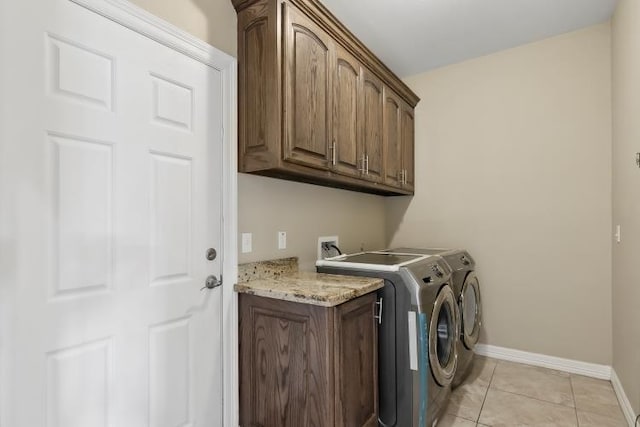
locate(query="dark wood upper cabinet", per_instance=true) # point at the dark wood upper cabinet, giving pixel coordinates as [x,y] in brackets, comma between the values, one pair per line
[399,142]
[306,365]
[392,139]
[371,119]
[312,104]
[346,147]
[259,94]
[307,91]
[407,135]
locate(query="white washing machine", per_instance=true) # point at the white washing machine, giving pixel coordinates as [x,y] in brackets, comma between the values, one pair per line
[466,288]
[418,332]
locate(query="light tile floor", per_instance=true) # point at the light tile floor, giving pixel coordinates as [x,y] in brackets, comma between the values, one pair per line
[499,393]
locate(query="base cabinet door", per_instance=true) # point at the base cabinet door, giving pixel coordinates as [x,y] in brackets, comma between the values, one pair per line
[306,365]
[284,371]
[356,367]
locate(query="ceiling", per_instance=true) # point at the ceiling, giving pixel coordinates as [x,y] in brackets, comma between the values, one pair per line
[413,36]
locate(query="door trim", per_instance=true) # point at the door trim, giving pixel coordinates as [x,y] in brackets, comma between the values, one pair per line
[139,20]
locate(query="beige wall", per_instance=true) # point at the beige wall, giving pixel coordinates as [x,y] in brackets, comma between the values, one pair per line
[513,162]
[306,212]
[266,205]
[626,197]
[213,21]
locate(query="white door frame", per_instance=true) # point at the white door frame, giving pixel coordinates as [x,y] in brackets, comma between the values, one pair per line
[141,21]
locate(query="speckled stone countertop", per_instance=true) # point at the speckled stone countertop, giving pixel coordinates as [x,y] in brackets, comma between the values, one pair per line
[280,279]
[267,269]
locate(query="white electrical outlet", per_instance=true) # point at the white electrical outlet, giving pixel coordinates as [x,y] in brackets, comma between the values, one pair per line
[282,240]
[246,243]
[325,249]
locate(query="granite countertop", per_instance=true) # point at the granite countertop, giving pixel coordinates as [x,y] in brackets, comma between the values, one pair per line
[280,279]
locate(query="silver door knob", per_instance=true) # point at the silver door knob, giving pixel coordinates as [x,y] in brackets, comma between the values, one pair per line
[212,282]
[211,254]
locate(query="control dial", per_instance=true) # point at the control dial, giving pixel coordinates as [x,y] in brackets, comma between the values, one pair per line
[436,270]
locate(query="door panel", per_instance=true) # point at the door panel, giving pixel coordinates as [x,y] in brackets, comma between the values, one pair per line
[392,142]
[308,91]
[172,103]
[86,393]
[83,215]
[120,155]
[346,135]
[356,344]
[408,126]
[169,403]
[67,60]
[170,220]
[372,125]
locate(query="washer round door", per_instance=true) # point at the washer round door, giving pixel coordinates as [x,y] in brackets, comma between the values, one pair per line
[470,310]
[443,356]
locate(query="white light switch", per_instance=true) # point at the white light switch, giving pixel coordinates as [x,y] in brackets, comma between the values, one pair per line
[617,235]
[246,243]
[282,240]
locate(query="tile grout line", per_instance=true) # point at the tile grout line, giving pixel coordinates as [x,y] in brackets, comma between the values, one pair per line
[493,372]
[569,377]
[543,400]
[575,405]
[536,399]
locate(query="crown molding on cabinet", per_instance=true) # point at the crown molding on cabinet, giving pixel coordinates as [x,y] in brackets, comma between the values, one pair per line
[329,23]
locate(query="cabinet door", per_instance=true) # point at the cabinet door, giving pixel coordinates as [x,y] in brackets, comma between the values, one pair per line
[392,139]
[371,122]
[284,364]
[259,128]
[346,137]
[408,142]
[356,373]
[307,86]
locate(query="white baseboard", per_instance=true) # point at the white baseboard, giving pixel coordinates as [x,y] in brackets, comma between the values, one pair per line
[593,370]
[627,409]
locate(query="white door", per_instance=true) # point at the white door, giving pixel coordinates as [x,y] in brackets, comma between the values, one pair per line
[111,195]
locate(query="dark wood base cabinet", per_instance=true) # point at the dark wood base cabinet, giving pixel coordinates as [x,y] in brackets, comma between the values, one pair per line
[306,365]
